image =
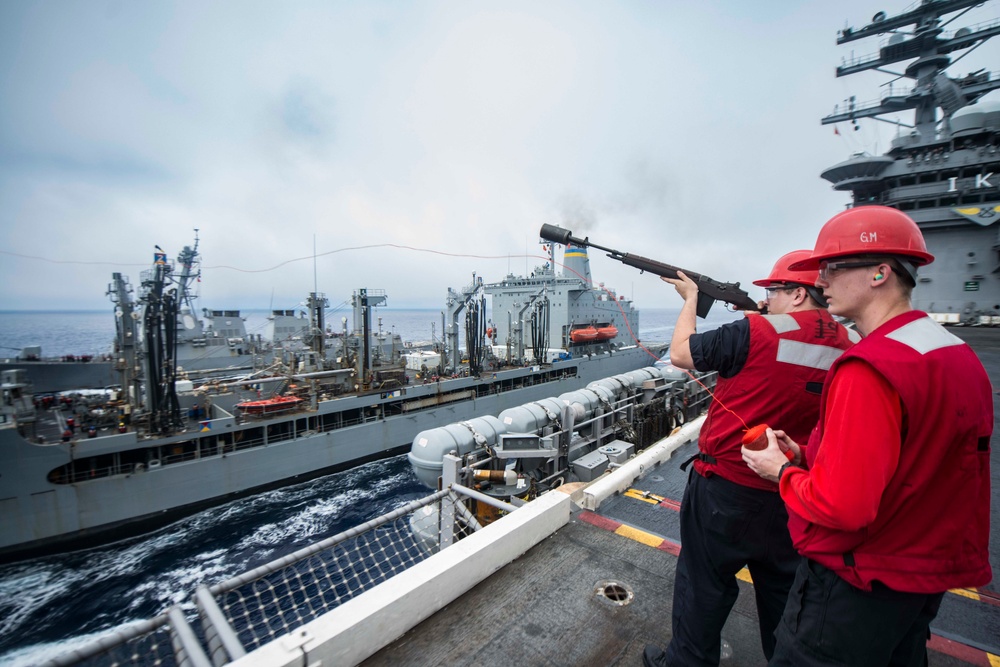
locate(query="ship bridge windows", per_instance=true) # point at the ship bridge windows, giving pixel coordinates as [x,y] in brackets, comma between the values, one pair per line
[971,198]
[947,201]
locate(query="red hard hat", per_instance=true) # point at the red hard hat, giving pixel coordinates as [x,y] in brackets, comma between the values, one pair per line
[868,230]
[782,274]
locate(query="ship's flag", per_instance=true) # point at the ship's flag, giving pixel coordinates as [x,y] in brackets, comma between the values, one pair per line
[205,426]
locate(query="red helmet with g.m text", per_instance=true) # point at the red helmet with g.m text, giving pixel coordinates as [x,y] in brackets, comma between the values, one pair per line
[782,274]
[868,230]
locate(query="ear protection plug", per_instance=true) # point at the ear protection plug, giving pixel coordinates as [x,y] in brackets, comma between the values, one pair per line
[879,276]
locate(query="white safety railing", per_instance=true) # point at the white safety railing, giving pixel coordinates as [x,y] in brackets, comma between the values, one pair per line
[245,612]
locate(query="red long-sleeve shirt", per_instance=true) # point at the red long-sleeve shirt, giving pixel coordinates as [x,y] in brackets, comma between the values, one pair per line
[850,472]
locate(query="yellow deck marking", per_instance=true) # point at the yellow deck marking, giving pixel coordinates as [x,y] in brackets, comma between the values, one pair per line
[644,496]
[653,540]
[639,536]
[970,593]
[994,660]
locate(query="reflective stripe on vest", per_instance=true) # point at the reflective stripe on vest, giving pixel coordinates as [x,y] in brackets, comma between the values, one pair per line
[799,353]
[924,335]
[782,323]
[807,354]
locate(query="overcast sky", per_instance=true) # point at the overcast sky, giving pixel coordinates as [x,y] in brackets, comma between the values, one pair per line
[684,131]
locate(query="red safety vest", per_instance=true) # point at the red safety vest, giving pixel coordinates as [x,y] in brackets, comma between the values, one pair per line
[931,532]
[779,385]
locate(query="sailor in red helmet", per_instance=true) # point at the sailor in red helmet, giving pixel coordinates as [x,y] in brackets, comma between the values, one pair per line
[771,370]
[889,502]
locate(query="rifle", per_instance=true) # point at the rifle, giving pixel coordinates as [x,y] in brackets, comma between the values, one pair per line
[709,291]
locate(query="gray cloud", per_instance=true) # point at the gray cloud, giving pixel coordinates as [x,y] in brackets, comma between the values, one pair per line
[688,132]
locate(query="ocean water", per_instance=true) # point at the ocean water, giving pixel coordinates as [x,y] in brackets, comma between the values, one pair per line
[50,605]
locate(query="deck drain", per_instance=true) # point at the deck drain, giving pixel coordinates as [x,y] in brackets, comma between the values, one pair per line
[614,592]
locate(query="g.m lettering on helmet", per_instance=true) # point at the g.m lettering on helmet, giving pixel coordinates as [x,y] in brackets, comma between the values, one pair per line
[869,237]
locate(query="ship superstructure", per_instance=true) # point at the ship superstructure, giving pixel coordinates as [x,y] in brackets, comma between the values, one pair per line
[546,314]
[944,170]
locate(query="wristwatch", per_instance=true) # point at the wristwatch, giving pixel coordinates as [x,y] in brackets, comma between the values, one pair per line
[782,469]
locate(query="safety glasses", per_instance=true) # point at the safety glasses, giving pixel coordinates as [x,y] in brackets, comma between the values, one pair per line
[829,269]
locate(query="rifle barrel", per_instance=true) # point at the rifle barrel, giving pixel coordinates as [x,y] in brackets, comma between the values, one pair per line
[710,289]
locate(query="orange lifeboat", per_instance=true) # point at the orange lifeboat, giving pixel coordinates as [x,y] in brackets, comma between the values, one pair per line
[607,333]
[583,335]
[269,405]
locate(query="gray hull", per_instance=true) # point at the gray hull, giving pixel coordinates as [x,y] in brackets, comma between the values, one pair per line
[54,376]
[38,515]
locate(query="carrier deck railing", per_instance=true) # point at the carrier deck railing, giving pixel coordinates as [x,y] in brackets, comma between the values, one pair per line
[247,611]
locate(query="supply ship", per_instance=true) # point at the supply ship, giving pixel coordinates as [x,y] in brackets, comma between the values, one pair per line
[81,469]
[943,167]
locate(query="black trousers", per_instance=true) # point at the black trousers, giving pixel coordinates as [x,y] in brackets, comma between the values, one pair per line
[724,527]
[829,622]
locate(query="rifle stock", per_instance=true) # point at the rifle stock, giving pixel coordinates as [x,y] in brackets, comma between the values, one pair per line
[709,290]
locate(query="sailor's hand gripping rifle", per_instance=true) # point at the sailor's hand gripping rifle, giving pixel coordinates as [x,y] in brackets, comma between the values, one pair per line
[709,291]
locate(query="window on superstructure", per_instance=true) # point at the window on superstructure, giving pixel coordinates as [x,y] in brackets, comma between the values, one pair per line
[971,198]
[179,451]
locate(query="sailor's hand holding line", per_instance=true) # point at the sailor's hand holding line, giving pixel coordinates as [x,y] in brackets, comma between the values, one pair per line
[768,462]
